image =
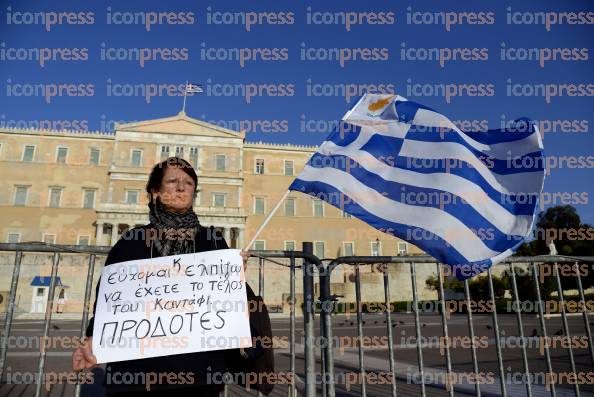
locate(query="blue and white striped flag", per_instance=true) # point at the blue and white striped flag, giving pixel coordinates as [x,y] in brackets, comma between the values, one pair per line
[466,198]
[193,88]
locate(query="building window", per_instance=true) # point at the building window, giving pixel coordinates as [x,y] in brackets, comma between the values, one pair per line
[218,199]
[179,151]
[83,240]
[20,196]
[13,238]
[376,248]
[259,206]
[289,168]
[28,153]
[221,161]
[402,248]
[260,245]
[55,193]
[348,248]
[49,238]
[259,166]
[89,198]
[164,152]
[131,196]
[290,207]
[289,245]
[136,157]
[318,208]
[194,157]
[61,154]
[94,156]
[319,249]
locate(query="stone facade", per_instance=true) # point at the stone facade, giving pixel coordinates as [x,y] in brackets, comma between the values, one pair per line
[75,187]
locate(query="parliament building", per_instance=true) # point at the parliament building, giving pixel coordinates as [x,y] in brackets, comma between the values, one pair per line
[87,188]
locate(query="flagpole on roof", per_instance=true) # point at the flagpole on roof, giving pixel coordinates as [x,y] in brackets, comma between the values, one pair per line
[268,217]
[185,95]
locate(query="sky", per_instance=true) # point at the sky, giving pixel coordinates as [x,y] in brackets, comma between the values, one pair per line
[497,60]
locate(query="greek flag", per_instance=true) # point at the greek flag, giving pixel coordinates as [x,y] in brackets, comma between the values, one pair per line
[192,88]
[466,198]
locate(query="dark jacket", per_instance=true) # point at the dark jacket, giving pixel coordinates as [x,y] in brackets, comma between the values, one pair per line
[133,245]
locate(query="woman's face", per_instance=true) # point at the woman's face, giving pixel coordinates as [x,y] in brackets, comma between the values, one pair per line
[177,190]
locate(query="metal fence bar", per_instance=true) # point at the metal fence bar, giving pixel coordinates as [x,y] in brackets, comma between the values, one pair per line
[389,330]
[518,310]
[261,277]
[48,317]
[292,389]
[585,313]
[88,291]
[261,291]
[51,248]
[576,387]
[413,276]
[543,328]
[85,316]
[497,336]
[444,325]
[309,262]
[327,304]
[16,270]
[477,386]
[360,330]
[308,323]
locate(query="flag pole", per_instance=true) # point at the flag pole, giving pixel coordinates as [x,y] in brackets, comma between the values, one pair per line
[185,94]
[263,225]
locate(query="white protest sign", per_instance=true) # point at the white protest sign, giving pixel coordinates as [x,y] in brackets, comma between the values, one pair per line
[171,305]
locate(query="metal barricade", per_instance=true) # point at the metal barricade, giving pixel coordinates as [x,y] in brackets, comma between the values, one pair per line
[510,268]
[21,248]
[312,267]
[310,262]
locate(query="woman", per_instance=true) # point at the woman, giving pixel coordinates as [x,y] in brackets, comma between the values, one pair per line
[172,190]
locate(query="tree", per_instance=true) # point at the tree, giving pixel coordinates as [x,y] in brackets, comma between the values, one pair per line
[561,225]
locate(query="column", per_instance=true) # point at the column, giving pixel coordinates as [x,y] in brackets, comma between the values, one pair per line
[227,236]
[114,233]
[240,232]
[99,233]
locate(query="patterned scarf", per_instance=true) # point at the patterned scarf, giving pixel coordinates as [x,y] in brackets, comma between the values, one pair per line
[174,232]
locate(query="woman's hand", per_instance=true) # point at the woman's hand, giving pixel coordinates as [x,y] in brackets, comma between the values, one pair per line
[245,257]
[83,356]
